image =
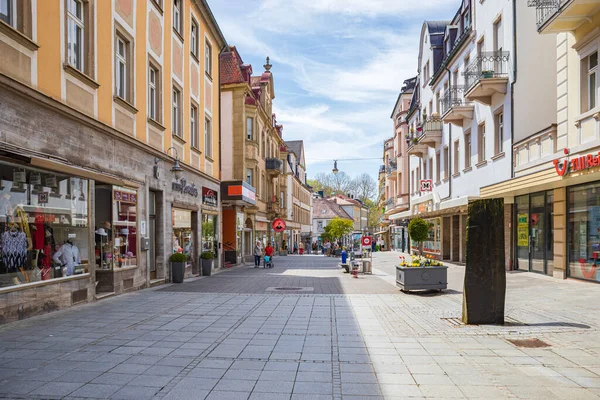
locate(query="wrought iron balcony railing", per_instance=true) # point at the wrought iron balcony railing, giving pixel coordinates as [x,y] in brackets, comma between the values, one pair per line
[381,169]
[545,9]
[487,65]
[392,167]
[431,124]
[274,164]
[454,97]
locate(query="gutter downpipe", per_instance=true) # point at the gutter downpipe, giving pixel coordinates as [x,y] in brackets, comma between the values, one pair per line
[512,249]
[222,258]
[449,144]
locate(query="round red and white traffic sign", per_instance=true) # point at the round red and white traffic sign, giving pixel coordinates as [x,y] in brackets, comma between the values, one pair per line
[366,240]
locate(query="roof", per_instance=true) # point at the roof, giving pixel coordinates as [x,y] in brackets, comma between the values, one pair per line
[204,4]
[407,88]
[232,68]
[327,209]
[344,200]
[295,146]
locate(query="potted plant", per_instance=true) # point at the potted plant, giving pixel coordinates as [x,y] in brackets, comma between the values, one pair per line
[178,261]
[414,141]
[284,249]
[207,262]
[487,74]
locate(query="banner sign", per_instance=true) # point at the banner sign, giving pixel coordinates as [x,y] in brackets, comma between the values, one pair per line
[209,197]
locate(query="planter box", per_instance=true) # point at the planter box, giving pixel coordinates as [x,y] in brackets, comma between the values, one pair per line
[421,278]
[283,253]
[206,266]
[178,271]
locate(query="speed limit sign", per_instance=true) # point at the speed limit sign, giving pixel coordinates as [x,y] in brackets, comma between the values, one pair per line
[426,185]
[366,241]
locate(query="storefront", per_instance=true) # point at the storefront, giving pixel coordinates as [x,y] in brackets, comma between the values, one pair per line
[432,246]
[555,223]
[238,227]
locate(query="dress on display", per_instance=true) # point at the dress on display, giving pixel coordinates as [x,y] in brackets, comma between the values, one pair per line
[14,249]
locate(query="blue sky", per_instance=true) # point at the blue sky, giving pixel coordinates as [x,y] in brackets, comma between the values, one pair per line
[338,67]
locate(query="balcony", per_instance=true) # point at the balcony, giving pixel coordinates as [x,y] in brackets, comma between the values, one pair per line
[431,131]
[414,147]
[455,108]
[391,169]
[382,169]
[274,166]
[389,203]
[486,76]
[554,16]
[273,208]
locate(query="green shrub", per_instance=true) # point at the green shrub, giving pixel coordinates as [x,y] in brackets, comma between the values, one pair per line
[418,229]
[178,257]
[207,255]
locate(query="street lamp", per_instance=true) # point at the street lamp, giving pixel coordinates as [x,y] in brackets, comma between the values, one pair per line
[176,170]
[335,169]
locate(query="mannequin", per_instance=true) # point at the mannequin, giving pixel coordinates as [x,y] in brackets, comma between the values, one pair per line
[14,248]
[68,257]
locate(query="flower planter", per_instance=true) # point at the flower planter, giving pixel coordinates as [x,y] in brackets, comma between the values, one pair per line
[177,271]
[207,265]
[421,278]
[487,74]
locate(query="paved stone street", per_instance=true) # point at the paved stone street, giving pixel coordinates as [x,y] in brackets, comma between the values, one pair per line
[236,336]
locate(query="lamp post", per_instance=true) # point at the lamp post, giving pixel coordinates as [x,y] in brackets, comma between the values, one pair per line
[335,169]
[176,170]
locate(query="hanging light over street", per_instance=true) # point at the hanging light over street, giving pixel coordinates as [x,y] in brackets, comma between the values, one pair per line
[335,169]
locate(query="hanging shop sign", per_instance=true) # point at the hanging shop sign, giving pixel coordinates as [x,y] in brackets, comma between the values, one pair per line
[564,167]
[278,225]
[366,241]
[43,198]
[182,187]
[209,197]
[426,185]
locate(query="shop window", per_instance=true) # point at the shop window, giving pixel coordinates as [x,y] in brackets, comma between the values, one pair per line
[183,238]
[584,231]
[209,234]
[116,228]
[44,225]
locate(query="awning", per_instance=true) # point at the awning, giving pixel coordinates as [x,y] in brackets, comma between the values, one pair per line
[261,219]
[402,215]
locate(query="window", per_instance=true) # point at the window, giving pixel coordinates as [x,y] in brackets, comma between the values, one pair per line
[446,162]
[8,12]
[249,176]
[75,38]
[176,112]
[498,36]
[589,82]
[481,143]
[250,128]
[153,93]
[177,15]
[456,155]
[438,166]
[194,38]
[207,137]
[499,122]
[194,127]
[430,171]
[208,58]
[121,68]
[480,47]
[468,149]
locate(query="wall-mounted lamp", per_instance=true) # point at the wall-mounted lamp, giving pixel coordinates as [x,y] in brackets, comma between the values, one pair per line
[335,169]
[176,170]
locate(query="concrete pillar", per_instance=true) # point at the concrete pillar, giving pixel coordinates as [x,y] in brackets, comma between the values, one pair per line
[560,233]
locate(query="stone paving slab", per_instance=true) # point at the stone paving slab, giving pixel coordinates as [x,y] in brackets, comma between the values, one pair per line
[171,344]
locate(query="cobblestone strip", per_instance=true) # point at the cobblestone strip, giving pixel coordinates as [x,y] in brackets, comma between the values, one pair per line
[335,355]
[173,382]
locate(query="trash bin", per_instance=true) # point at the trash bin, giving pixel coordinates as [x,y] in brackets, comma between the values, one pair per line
[366,267]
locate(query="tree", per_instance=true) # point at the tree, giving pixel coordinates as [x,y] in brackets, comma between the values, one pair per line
[418,229]
[338,227]
[364,187]
[373,213]
[331,183]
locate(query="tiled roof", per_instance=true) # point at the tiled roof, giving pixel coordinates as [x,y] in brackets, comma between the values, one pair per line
[295,146]
[327,209]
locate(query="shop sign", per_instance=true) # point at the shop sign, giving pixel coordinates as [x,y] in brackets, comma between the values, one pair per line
[184,188]
[19,176]
[209,197]
[125,197]
[278,225]
[576,164]
[35,178]
[522,230]
[51,181]
[43,198]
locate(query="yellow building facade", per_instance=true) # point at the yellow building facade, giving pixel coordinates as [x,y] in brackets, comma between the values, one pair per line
[117,103]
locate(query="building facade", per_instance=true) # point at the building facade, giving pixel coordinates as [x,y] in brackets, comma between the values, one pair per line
[251,147]
[555,188]
[298,202]
[109,148]
[325,210]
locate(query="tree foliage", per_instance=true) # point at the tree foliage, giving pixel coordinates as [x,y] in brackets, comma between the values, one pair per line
[363,187]
[338,228]
[418,229]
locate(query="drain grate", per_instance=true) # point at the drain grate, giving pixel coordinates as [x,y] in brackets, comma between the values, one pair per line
[529,343]
[290,289]
[455,322]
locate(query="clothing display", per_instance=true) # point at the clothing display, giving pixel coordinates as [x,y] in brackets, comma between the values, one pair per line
[14,249]
[38,232]
[68,256]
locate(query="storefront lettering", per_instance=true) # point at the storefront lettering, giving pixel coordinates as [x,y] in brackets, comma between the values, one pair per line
[209,197]
[183,187]
[576,164]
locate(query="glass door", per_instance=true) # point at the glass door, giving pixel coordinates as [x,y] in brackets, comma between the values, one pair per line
[537,232]
[522,236]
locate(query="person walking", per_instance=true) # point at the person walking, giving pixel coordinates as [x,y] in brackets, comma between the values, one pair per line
[258,251]
[301,248]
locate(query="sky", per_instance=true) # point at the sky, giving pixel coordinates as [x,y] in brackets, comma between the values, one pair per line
[338,66]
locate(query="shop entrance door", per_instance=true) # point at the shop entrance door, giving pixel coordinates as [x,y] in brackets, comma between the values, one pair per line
[535,250]
[152,234]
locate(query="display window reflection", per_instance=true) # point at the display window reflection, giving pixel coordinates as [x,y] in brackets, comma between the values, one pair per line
[209,235]
[584,232]
[183,238]
[43,225]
